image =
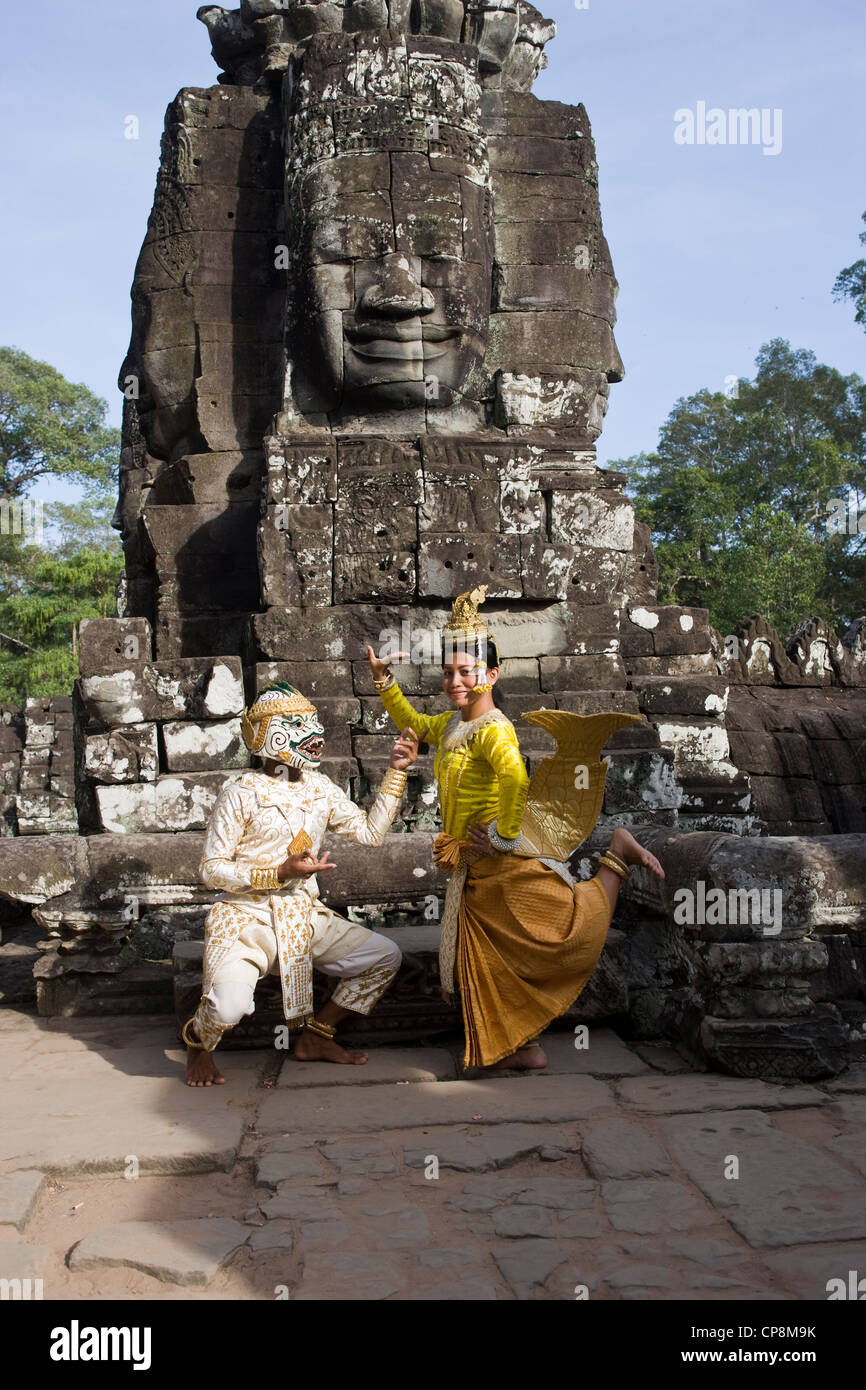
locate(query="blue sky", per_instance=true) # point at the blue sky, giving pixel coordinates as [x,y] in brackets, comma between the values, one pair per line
[717,248]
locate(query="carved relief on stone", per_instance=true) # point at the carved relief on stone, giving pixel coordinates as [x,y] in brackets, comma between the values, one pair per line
[172,225]
[258,40]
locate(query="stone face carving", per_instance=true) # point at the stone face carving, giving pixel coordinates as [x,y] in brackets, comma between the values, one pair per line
[371,352]
[389,206]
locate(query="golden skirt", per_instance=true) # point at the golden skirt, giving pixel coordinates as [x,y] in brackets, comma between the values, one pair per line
[527,944]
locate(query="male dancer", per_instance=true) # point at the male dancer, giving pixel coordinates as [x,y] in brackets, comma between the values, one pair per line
[262,851]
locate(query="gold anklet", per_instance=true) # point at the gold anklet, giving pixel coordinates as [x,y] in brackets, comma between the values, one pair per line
[620,870]
[617,859]
[201,1047]
[324,1030]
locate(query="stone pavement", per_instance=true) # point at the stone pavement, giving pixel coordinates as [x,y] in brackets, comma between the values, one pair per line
[620,1173]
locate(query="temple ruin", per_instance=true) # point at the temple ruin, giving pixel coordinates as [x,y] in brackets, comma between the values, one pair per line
[372,347]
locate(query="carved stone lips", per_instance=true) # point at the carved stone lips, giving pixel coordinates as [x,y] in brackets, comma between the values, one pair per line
[400,342]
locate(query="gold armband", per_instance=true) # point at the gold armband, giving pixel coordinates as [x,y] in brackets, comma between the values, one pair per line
[265,880]
[385,683]
[394,782]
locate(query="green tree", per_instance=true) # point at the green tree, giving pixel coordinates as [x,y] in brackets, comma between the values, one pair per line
[743,494]
[49,426]
[51,429]
[851,284]
[37,655]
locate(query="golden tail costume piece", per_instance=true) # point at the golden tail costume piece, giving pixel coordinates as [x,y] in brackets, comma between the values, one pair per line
[518,934]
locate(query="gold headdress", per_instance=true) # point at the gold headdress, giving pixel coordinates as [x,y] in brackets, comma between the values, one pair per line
[467,631]
[280,698]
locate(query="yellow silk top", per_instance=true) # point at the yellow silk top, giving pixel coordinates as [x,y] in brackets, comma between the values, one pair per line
[478,767]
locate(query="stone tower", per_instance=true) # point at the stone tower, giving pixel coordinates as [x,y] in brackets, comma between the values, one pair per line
[372,346]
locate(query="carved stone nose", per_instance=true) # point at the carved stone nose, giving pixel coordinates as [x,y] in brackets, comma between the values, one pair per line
[398,295]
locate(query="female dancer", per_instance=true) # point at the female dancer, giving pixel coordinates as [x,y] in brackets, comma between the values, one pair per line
[523,936]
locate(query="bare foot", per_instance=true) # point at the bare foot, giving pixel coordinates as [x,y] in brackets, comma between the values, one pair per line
[531,1057]
[201,1069]
[626,846]
[310,1047]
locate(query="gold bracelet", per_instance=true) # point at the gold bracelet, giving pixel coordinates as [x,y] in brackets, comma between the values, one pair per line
[188,1041]
[394,782]
[324,1030]
[605,863]
[616,859]
[265,880]
[383,682]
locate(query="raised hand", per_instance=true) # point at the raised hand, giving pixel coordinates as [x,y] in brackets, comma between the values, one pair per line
[404,750]
[380,669]
[303,865]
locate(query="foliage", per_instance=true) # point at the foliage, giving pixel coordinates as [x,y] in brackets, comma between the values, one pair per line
[740,495]
[851,284]
[52,429]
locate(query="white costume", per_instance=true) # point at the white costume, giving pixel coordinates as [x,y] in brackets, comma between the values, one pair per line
[256,927]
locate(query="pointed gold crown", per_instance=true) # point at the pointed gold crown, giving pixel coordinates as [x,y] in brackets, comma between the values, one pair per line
[464,612]
[466,624]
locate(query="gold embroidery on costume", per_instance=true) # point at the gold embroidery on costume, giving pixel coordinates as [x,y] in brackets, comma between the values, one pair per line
[361,992]
[254,823]
[519,939]
[560,812]
[468,790]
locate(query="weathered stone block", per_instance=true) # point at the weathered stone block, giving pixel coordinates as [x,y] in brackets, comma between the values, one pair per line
[11,739]
[210,550]
[179,689]
[603,671]
[180,802]
[600,520]
[299,473]
[449,564]
[702,663]
[641,781]
[202,634]
[834,761]
[545,568]
[46,813]
[203,747]
[312,678]
[110,644]
[128,754]
[792,800]
[375,576]
[460,490]
[337,633]
[705,697]
[756,753]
